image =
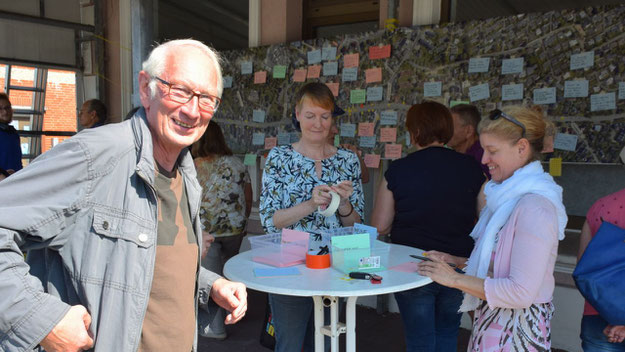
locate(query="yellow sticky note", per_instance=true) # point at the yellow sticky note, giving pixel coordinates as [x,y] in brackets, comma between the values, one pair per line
[555,166]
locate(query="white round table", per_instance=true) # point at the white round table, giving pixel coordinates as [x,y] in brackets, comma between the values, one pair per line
[327,285]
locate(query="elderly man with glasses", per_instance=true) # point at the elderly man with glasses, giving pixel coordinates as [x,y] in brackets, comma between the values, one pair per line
[10,150]
[110,222]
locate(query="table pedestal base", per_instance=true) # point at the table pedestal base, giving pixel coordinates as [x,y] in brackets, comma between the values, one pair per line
[336,328]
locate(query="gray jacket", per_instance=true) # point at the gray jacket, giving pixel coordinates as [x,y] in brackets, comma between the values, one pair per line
[86,212]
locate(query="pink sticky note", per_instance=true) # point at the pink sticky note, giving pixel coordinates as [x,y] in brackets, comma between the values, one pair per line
[392,151]
[289,235]
[314,71]
[260,77]
[372,160]
[365,129]
[351,60]
[388,134]
[408,267]
[299,75]
[373,75]
[334,87]
[379,52]
[270,142]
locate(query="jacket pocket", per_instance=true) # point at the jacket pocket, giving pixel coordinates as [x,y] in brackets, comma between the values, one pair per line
[124,228]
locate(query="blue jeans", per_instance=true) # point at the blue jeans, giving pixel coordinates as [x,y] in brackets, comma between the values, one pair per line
[431,318]
[294,321]
[593,338]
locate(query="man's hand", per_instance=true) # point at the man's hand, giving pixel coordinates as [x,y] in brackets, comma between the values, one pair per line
[232,297]
[615,333]
[71,334]
[207,240]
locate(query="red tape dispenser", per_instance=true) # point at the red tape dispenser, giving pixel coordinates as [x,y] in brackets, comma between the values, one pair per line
[375,279]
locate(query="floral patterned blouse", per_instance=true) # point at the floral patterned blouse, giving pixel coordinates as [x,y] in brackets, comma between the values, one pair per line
[289,178]
[222,211]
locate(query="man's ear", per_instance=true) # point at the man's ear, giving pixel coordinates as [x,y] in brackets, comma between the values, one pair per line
[144,89]
[470,131]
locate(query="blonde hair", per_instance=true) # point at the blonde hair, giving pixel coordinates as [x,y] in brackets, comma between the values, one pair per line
[531,118]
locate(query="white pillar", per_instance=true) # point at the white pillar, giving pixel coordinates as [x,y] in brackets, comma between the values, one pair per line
[426,12]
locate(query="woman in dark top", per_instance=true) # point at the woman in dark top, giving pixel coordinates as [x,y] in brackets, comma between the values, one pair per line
[428,200]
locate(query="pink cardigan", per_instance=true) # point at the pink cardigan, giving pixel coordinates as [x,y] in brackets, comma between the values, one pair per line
[525,256]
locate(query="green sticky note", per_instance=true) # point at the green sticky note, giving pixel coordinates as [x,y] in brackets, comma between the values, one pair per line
[279,71]
[357,96]
[458,102]
[348,250]
[337,140]
[250,159]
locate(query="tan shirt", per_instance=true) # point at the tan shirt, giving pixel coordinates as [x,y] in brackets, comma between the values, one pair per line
[169,323]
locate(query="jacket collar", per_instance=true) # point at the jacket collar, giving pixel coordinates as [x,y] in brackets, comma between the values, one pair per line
[145,149]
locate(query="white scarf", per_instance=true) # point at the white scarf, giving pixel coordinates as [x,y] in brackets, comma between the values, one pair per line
[501,199]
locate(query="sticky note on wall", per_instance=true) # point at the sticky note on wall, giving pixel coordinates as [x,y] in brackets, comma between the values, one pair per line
[555,167]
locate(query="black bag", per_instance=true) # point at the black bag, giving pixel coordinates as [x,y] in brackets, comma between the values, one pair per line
[268,331]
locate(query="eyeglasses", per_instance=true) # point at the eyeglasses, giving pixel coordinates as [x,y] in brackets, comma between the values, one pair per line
[6,108]
[495,114]
[181,94]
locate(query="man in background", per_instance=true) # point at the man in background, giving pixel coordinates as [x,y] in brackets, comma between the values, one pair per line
[465,139]
[92,114]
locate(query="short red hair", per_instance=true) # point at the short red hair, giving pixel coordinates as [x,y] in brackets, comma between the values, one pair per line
[429,122]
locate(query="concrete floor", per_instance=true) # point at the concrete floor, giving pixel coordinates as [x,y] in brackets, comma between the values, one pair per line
[374,332]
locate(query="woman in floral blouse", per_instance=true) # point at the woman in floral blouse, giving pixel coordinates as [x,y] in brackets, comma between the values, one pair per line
[226,205]
[297,179]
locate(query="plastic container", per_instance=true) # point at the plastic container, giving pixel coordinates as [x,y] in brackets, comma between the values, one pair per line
[272,250]
[369,260]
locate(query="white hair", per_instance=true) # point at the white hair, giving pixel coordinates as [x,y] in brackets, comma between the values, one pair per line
[154,65]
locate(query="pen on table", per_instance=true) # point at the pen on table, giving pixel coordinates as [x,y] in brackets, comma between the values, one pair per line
[429,260]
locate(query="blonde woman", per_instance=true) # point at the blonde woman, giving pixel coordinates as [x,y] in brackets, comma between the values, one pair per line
[509,279]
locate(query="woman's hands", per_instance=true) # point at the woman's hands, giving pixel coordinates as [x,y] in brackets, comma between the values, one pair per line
[438,270]
[321,194]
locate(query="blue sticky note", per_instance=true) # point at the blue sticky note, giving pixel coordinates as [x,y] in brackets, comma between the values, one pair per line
[328,53]
[543,96]
[348,130]
[374,93]
[330,68]
[512,92]
[227,81]
[294,137]
[576,89]
[565,141]
[432,89]
[258,138]
[479,64]
[367,142]
[606,101]
[270,272]
[582,60]
[388,117]
[350,74]
[621,90]
[314,57]
[258,116]
[284,138]
[509,66]
[479,92]
[246,67]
